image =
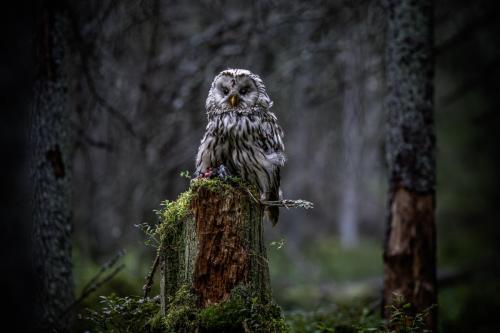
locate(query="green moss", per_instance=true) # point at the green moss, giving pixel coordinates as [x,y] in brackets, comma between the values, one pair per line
[242,310]
[172,212]
[212,184]
[182,315]
[157,322]
[227,315]
[222,186]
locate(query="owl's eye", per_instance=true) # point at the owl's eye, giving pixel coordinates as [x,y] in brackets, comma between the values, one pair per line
[243,91]
[225,91]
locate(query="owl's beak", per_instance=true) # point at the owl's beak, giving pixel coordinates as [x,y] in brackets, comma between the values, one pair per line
[233,100]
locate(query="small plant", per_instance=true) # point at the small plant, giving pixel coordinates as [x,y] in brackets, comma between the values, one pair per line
[340,319]
[126,314]
[150,232]
[404,320]
[278,244]
[352,318]
[185,174]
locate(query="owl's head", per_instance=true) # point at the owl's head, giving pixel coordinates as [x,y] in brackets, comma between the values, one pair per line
[237,89]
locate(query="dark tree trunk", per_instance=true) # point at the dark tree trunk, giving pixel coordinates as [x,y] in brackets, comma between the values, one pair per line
[50,172]
[410,245]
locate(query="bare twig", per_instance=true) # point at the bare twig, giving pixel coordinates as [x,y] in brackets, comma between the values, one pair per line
[107,265]
[149,278]
[287,203]
[95,283]
[83,138]
[83,52]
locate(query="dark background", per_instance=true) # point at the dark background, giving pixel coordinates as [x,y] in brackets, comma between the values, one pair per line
[139,73]
[16,80]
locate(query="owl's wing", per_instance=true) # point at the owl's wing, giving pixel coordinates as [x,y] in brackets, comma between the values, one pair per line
[205,156]
[271,142]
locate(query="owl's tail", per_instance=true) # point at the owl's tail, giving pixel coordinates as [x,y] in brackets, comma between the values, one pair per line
[274,194]
[272,214]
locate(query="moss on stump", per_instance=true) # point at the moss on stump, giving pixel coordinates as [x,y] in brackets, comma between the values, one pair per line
[213,262]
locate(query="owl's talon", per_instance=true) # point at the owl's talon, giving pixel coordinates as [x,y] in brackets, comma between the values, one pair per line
[200,174]
[222,172]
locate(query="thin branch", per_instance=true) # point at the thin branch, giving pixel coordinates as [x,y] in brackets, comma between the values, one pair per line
[287,203]
[82,50]
[85,139]
[107,265]
[95,283]
[149,278]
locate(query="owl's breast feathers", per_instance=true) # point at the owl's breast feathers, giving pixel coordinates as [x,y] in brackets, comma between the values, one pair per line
[248,143]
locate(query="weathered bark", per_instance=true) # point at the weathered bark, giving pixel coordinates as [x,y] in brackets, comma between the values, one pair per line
[410,245]
[50,173]
[221,246]
[217,246]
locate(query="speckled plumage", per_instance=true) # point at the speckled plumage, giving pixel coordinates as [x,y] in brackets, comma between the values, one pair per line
[245,137]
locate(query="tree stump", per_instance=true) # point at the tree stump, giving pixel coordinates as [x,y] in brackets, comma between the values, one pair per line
[213,261]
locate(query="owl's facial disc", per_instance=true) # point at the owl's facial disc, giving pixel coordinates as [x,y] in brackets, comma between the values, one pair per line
[236,92]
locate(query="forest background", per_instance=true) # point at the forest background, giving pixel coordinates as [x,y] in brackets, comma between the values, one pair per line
[138,76]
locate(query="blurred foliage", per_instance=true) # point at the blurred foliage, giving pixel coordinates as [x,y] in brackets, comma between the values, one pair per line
[354,318]
[126,314]
[349,278]
[128,282]
[325,272]
[134,314]
[242,311]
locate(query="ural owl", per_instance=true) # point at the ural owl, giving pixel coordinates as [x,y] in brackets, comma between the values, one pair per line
[242,134]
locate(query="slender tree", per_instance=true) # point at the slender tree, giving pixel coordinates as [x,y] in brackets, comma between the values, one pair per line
[50,171]
[410,245]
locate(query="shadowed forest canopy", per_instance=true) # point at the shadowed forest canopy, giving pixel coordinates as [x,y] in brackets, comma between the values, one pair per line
[144,70]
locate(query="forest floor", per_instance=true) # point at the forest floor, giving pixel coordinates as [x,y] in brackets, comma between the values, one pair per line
[326,285]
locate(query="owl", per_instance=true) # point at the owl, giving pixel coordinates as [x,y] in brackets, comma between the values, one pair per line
[242,135]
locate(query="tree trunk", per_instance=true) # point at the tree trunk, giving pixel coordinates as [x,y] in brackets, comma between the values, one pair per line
[212,245]
[410,245]
[50,173]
